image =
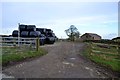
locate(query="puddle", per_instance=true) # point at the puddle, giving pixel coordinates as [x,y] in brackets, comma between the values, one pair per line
[73,58]
[87,68]
[66,63]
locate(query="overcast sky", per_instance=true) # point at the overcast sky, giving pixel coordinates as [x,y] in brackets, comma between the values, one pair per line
[88,17]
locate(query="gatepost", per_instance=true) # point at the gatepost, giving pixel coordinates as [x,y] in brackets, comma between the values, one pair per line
[37,43]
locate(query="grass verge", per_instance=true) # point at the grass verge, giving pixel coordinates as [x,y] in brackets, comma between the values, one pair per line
[103,56]
[15,54]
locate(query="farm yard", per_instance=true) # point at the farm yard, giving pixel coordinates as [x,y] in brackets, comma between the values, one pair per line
[63,60]
[26,57]
[63,39]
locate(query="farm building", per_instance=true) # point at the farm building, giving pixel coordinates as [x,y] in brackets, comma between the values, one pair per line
[117,39]
[90,36]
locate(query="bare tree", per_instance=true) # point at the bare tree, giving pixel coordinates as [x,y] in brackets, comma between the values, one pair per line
[72,33]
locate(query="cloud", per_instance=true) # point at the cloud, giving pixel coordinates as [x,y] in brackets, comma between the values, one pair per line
[59,0]
[110,36]
[103,19]
[0,18]
[93,24]
[59,16]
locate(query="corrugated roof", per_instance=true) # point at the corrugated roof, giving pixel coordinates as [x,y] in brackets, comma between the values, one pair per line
[92,34]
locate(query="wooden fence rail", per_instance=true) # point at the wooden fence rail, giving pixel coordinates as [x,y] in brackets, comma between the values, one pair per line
[15,41]
[100,49]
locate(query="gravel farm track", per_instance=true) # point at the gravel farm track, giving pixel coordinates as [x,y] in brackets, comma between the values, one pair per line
[64,60]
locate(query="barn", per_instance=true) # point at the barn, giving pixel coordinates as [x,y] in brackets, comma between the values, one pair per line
[90,36]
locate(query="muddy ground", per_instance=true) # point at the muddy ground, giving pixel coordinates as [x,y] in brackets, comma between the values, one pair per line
[64,60]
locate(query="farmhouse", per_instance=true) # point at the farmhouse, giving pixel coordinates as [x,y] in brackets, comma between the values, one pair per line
[117,39]
[90,36]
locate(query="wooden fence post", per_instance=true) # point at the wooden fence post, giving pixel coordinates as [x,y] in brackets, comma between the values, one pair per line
[37,43]
[91,53]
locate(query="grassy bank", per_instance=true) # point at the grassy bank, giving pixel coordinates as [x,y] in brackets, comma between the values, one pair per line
[106,56]
[15,54]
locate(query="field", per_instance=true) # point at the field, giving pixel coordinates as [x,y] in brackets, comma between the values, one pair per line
[105,54]
[15,54]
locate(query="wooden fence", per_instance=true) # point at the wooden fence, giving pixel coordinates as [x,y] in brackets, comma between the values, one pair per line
[105,50]
[15,41]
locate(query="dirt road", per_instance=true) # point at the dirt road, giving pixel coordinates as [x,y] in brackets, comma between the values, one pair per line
[64,60]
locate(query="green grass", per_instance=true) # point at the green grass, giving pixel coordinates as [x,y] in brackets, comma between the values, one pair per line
[18,54]
[113,64]
[105,57]
[111,50]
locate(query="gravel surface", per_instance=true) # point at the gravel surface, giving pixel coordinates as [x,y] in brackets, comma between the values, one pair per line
[64,60]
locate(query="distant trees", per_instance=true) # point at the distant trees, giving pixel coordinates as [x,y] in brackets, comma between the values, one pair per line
[72,33]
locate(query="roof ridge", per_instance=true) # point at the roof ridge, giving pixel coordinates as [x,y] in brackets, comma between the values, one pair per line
[91,33]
